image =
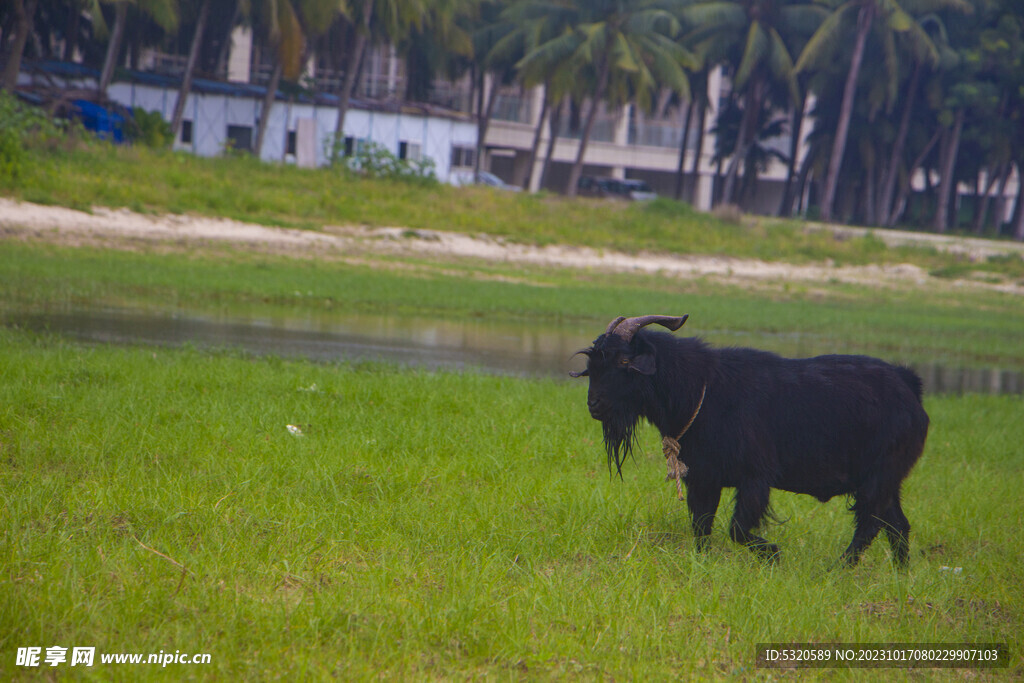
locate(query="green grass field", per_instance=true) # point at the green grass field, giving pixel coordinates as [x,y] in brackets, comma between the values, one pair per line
[421,525]
[440,526]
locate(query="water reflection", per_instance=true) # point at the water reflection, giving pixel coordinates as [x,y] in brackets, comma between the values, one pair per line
[516,348]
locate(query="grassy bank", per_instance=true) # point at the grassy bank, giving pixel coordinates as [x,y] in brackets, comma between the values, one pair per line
[439,525]
[244,189]
[961,328]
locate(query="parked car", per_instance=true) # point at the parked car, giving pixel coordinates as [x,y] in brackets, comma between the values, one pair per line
[491,180]
[462,178]
[614,188]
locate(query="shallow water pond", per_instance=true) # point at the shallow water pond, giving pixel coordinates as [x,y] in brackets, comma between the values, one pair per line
[516,348]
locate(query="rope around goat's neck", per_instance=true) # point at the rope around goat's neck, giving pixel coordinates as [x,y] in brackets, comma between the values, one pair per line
[670,447]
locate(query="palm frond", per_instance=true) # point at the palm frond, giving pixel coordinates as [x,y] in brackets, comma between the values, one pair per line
[550,55]
[651,21]
[780,63]
[802,19]
[922,46]
[827,34]
[163,12]
[753,54]
[722,14]
[622,55]
[919,7]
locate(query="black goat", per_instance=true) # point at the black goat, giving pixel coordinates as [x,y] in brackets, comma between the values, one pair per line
[752,420]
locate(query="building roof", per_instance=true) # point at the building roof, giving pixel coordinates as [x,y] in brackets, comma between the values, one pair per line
[207,86]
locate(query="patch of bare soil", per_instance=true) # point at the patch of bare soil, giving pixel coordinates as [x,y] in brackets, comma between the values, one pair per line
[124,229]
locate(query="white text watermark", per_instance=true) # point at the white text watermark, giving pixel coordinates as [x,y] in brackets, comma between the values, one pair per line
[58,655]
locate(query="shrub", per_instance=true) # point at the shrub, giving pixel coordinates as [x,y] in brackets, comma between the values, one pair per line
[12,155]
[150,129]
[376,161]
[27,124]
[728,213]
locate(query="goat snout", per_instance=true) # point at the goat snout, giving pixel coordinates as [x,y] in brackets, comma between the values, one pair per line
[597,407]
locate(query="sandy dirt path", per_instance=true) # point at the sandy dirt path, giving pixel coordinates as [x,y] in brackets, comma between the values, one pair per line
[124,229]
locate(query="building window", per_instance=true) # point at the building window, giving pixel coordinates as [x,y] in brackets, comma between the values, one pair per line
[186,132]
[409,151]
[463,157]
[291,142]
[240,137]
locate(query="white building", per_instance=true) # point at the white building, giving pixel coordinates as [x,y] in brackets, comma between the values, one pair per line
[220,115]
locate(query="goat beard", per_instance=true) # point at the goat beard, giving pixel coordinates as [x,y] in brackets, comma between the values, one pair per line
[619,437]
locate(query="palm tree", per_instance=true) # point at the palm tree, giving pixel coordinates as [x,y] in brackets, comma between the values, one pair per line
[891,19]
[360,34]
[514,33]
[186,79]
[749,34]
[615,47]
[163,12]
[281,29]
[441,43]
[383,20]
[498,43]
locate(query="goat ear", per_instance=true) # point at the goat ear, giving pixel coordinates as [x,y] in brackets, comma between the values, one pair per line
[643,361]
[644,364]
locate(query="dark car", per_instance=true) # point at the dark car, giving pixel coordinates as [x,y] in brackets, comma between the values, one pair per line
[614,188]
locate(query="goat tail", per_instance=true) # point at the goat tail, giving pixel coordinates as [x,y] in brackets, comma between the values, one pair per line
[911,379]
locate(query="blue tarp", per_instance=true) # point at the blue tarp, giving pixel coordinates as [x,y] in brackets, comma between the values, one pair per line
[107,124]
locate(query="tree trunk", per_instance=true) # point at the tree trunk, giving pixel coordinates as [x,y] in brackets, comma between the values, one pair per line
[865,18]
[537,134]
[268,104]
[983,197]
[786,206]
[24,11]
[947,165]
[801,187]
[1018,210]
[746,134]
[695,169]
[889,179]
[483,122]
[577,167]
[554,125]
[901,200]
[221,68]
[113,46]
[999,210]
[681,168]
[71,32]
[352,69]
[190,66]
[869,194]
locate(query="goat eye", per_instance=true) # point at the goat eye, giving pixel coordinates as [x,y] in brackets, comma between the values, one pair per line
[623,361]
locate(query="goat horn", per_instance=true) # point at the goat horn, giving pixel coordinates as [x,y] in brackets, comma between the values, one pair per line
[612,324]
[627,327]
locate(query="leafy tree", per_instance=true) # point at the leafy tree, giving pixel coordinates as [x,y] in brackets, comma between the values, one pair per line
[891,19]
